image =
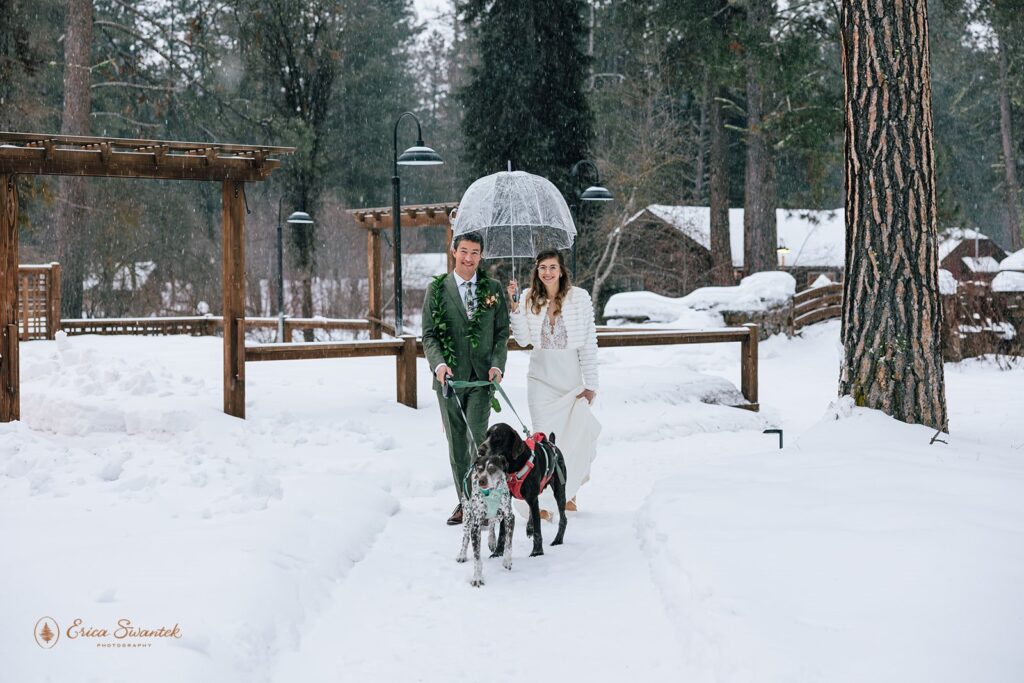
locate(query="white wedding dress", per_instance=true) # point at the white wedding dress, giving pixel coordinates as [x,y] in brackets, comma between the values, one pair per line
[553,382]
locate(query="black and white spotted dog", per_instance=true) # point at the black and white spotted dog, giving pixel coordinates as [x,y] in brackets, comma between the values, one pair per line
[489,504]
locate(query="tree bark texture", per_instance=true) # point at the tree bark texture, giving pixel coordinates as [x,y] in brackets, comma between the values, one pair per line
[1009,158]
[721,248]
[71,217]
[759,229]
[892,320]
[699,169]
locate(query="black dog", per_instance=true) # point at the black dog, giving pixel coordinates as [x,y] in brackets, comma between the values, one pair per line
[503,440]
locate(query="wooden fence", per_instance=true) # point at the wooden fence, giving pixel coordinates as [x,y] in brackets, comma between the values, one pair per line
[408,348]
[203,325]
[814,305]
[38,301]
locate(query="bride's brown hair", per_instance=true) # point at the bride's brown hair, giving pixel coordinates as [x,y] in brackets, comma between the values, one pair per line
[539,294]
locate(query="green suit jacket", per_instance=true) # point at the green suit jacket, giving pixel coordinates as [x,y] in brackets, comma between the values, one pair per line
[492,348]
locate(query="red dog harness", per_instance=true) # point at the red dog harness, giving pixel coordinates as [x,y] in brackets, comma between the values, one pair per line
[516,479]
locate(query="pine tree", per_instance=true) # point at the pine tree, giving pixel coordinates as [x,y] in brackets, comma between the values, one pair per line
[328,74]
[892,356]
[71,214]
[525,101]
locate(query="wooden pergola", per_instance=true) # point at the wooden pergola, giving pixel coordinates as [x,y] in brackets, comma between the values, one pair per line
[231,165]
[378,219]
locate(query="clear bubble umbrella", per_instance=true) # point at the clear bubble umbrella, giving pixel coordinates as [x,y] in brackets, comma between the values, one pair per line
[518,214]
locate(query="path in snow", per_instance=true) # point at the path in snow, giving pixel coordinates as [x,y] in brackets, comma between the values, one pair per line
[542,619]
[407,609]
[592,599]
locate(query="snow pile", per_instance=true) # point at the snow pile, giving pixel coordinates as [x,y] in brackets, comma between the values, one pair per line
[947,283]
[702,307]
[648,306]
[857,537]
[755,293]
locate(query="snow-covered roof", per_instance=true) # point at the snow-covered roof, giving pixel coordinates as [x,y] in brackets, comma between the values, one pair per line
[981,264]
[1008,281]
[814,238]
[1014,261]
[419,269]
[950,239]
[947,283]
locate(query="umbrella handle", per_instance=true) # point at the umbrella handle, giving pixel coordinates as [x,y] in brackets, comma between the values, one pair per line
[515,294]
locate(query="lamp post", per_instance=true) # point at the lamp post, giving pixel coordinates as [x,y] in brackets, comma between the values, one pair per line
[594,193]
[296,218]
[417,155]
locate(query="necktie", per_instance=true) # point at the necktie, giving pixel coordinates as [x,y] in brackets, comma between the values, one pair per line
[470,299]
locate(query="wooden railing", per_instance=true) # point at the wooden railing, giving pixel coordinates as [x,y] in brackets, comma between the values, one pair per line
[816,304]
[38,301]
[406,350]
[203,325]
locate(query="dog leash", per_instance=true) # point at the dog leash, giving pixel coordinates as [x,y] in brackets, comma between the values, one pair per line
[460,384]
[454,384]
[549,464]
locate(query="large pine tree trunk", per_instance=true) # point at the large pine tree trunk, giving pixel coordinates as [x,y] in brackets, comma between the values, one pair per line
[71,219]
[718,160]
[699,169]
[1009,158]
[892,356]
[759,229]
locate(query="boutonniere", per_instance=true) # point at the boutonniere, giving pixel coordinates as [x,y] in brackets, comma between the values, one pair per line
[490,301]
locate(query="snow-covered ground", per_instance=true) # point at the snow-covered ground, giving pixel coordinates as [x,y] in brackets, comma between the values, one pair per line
[308,541]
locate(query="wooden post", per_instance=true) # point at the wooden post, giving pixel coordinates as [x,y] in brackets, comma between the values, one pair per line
[748,364]
[405,371]
[10,395]
[233,284]
[25,303]
[374,282]
[53,302]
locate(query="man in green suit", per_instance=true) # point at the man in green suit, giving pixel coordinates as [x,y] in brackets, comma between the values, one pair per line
[465,336]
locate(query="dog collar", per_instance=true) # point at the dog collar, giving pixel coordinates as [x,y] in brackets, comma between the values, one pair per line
[491,503]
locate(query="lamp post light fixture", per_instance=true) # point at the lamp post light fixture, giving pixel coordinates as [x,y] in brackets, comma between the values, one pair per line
[296,218]
[594,193]
[782,250]
[417,155]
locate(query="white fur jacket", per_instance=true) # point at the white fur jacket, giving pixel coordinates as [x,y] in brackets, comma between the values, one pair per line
[581,332]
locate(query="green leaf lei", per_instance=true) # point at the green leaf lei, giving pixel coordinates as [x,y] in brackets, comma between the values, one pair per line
[440,310]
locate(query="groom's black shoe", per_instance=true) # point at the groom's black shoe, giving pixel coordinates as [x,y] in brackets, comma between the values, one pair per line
[456,517]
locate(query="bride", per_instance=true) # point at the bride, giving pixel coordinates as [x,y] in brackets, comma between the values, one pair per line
[557,320]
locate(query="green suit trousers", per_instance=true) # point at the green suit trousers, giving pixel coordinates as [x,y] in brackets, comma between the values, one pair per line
[462,443]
